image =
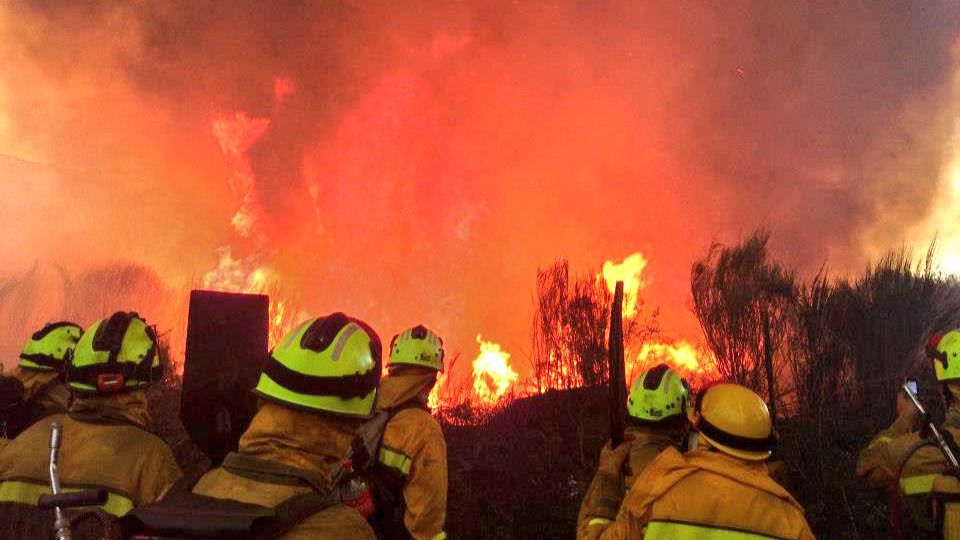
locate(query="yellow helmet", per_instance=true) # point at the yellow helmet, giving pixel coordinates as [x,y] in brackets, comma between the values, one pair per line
[657,394]
[49,346]
[944,350]
[115,355]
[735,420]
[417,346]
[330,364]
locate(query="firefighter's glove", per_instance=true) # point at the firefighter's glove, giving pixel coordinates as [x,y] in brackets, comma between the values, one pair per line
[612,460]
[606,491]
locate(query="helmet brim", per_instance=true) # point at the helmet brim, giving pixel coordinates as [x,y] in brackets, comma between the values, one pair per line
[738,453]
[360,407]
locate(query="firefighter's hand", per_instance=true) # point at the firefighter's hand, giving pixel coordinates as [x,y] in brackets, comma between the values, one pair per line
[906,411]
[612,459]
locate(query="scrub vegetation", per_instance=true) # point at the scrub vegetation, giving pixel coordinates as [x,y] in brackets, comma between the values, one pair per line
[828,353]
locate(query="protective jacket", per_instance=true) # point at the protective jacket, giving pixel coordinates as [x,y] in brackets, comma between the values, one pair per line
[880,461]
[411,468]
[44,391]
[105,445]
[602,501]
[28,395]
[285,453]
[706,494]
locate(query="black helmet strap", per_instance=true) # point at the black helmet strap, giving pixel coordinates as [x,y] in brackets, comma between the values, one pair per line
[350,386]
[50,327]
[109,336]
[748,444]
[653,378]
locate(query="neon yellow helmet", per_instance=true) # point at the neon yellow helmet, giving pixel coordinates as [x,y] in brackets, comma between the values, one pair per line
[735,420]
[417,346]
[331,364]
[944,350]
[49,346]
[115,355]
[658,394]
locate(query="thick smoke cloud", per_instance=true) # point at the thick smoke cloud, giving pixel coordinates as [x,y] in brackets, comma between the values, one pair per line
[431,157]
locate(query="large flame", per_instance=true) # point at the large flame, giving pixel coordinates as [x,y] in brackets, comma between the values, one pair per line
[630,273]
[683,357]
[492,374]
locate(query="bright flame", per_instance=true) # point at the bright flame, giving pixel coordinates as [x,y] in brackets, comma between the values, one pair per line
[433,400]
[629,272]
[492,374]
[684,358]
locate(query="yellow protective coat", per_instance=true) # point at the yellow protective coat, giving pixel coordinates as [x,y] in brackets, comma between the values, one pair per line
[879,462]
[414,446]
[44,390]
[602,500]
[311,443]
[688,496]
[105,445]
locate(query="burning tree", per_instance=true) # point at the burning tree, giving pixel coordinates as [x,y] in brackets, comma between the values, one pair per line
[570,326]
[743,301]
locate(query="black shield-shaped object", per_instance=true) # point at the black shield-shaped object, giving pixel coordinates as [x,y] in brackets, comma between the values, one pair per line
[226,344]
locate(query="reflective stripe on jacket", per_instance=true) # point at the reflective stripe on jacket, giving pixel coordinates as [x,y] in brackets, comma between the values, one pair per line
[675,530]
[879,462]
[307,444]
[705,494]
[414,452]
[102,452]
[602,501]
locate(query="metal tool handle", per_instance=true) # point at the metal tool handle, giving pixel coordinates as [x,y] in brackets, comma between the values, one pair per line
[61,525]
[73,499]
[934,432]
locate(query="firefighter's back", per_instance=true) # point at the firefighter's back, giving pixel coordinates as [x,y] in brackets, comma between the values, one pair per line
[716,492]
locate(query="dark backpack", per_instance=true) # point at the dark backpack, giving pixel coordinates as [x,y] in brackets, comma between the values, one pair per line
[184,515]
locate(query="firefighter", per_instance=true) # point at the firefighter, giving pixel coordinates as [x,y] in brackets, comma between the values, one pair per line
[721,489]
[36,389]
[105,442]
[411,470]
[656,412]
[316,389]
[880,461]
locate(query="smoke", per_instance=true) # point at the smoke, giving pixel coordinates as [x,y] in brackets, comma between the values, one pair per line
[422,159]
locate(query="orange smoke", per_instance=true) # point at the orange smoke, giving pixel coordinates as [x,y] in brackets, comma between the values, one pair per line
[451,155]
[236,135]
